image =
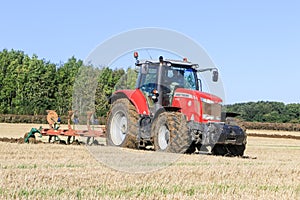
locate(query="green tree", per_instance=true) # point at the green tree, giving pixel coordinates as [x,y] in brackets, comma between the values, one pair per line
[10,62]
[127,80]
[64,83]
[293,112]
[37,89]
[266,111]
[84,90]
[104,90]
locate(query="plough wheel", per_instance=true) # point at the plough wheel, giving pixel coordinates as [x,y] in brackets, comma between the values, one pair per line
[91,141]
[55,140]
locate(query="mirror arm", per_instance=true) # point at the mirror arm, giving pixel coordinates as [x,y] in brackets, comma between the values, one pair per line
[207,69]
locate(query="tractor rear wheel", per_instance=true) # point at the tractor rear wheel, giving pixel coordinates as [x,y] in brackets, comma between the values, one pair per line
[170,133]
[122,124]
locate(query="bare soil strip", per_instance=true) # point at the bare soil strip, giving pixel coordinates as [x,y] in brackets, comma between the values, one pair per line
[274,136]
[272,132]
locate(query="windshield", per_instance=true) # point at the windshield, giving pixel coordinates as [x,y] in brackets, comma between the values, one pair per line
[180,77]
[171,77]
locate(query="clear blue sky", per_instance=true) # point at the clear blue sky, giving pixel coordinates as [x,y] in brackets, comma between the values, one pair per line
[255,44]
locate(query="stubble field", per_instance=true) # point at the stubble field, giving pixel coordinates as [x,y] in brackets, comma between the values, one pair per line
[52,171]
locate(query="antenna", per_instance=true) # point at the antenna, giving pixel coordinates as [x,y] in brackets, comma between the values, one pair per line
[149,54]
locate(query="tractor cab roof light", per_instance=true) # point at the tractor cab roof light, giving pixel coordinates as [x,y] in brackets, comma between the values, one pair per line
[136,56]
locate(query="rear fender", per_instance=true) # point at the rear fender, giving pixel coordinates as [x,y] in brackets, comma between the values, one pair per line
[136,97]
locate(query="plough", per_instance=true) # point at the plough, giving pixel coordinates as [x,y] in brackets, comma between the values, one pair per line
[53,132]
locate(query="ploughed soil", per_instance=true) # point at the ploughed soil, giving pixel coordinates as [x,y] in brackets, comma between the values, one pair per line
[18,140]
[274,136]
[12,140]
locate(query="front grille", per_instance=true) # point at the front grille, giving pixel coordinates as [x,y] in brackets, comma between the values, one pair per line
[211,110]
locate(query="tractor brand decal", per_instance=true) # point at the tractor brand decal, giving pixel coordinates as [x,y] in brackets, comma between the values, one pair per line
[186,95]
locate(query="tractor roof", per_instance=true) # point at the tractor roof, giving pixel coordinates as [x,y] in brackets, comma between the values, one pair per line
[175,63]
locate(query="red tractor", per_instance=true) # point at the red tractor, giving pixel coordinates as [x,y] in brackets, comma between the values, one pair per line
[169,112]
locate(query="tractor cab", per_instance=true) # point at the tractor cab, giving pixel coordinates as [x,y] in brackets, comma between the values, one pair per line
[159,80]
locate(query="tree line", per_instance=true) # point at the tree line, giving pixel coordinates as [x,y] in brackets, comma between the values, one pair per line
[267,111]
[30,86]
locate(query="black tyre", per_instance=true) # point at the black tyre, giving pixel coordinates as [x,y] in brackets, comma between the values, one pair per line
[236,150]
[170,133]
[219,150]
[191,149]
[230,150]
[122,124]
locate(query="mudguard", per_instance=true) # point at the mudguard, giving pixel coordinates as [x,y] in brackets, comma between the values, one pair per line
[135,96]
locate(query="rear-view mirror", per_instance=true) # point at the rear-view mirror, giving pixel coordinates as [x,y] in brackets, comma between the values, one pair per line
[215,76]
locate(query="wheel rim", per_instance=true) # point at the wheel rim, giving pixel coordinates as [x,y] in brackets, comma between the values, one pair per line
[163,137]
[118,127]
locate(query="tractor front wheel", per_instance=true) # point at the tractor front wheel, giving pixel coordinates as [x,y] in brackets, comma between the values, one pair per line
[170,133]
[122,124]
